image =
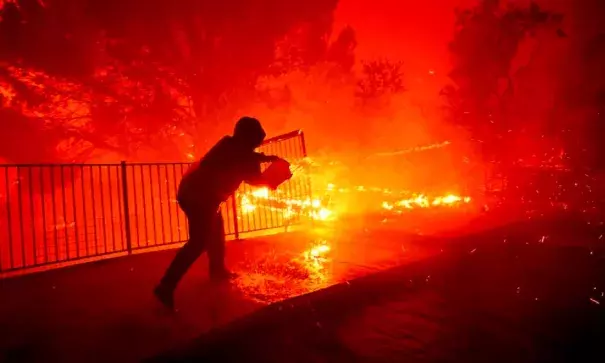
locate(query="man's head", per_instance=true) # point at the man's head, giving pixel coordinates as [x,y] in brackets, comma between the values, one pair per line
[249,132]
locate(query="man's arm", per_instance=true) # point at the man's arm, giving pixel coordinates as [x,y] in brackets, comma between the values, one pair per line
[263,158]
[255,177]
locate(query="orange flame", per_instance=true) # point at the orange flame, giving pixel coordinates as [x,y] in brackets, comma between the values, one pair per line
[422,201]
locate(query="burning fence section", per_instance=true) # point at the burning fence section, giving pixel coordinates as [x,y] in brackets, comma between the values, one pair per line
[262,209]
[59,213]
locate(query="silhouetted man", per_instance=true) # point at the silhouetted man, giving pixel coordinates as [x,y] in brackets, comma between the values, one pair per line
[203,188]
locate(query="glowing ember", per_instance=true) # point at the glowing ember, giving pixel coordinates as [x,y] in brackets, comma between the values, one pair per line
[414,149]
[315,259]
[272,279]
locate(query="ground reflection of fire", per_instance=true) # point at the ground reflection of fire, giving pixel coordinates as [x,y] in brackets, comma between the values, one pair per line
[271,279]
[315,259]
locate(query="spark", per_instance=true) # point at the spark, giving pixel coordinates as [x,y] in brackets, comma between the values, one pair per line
[413,149]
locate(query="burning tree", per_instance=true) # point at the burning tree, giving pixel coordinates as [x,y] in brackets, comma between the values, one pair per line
[84,81]
[580,99]
[533,97]
[135,79]
[379,80]
[483,96]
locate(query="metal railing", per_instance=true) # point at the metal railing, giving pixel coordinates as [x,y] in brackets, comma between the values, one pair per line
[55,214]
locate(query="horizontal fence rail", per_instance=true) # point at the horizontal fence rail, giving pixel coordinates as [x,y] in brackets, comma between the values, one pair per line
[53,214]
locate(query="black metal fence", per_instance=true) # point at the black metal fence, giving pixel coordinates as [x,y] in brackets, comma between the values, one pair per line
[55,214]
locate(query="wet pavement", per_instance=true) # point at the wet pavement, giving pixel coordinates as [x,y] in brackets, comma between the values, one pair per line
[324,257]
[104,311]
[370,289]
[529,292]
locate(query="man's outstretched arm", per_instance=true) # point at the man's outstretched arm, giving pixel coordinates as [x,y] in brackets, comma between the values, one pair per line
[263,158]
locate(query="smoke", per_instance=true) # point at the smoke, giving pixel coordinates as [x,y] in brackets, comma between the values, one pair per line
[418,34]
[323,102]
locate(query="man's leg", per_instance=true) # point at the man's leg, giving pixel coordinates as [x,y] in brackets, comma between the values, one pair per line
[199,226]
[216,250]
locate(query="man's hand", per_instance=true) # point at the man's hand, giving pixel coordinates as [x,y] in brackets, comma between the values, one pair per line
[272,158]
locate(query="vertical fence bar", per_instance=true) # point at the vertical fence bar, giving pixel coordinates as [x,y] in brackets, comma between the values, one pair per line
[136,208]
[303,146]
[43,210]
[144,199]
[94,211]
[64,207]
[20,205]
[103,210]
[152,200]
[186,220]
[54,212]
[126,209]
[161,201]
[74,209]
[32,214]
[9,225]
[168,204]
[176,205]
[119,175]
[86,245]
[112,218]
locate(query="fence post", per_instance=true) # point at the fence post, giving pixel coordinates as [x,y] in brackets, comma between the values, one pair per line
[309,186]
[126,208]
[302,141]
[234,206]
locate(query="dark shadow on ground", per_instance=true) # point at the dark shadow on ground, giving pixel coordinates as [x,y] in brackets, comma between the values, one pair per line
[528,292]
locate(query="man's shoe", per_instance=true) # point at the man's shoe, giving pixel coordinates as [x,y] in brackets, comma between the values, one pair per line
[222,275]
[165,296]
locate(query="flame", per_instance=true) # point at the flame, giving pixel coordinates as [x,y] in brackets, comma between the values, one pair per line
[315,209]
[289,207]
[422,201]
